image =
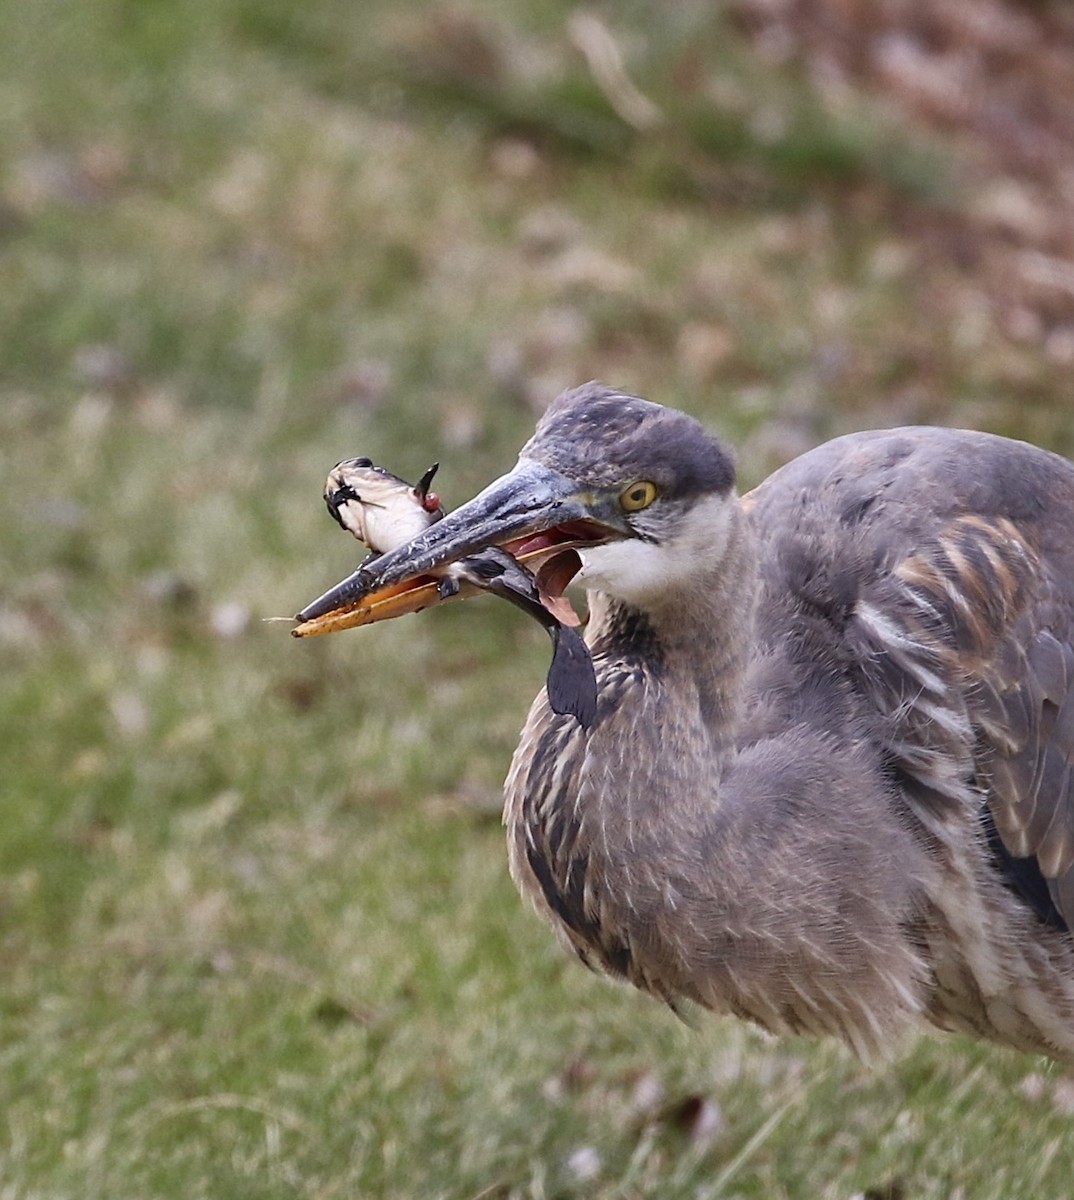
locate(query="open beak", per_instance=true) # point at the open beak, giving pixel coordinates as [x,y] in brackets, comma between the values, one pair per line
[533,512]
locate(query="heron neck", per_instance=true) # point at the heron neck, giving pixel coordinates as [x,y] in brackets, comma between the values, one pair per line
[694,640]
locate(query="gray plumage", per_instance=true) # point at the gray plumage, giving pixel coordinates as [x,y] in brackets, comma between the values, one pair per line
[786,805]
[828,786]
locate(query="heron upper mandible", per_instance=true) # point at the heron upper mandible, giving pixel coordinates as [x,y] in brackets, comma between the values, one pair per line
[829,783]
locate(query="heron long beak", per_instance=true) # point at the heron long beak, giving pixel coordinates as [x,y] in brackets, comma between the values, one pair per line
[533,512]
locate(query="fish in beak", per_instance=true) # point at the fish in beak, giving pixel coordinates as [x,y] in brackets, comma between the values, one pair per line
[534,513]
[377,507]
[517,539]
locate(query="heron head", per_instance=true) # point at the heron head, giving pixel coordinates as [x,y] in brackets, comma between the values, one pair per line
[621,491]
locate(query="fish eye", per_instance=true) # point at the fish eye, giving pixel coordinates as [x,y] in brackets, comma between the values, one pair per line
[638,496]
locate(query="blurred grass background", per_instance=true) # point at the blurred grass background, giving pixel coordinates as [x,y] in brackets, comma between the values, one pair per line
[256,932]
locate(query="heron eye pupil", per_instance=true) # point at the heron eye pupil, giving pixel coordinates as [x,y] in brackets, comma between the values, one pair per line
[638,496]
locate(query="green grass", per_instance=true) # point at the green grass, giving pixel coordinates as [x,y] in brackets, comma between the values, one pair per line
[256,932]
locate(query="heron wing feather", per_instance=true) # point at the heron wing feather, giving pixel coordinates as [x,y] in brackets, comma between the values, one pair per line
[961,633]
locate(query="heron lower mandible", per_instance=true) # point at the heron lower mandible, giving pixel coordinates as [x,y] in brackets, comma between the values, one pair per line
[828,786]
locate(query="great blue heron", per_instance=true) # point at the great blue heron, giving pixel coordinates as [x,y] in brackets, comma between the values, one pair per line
[829,786]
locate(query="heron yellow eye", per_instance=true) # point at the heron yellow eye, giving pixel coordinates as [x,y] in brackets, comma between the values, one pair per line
[638,496]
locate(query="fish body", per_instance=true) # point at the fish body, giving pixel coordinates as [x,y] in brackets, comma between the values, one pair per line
[572,681]
[377,507]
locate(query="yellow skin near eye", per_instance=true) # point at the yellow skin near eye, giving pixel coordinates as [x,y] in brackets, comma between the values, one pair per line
[638,496]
